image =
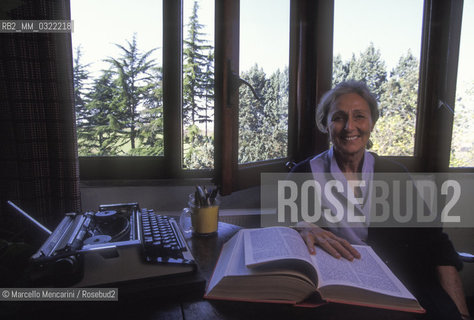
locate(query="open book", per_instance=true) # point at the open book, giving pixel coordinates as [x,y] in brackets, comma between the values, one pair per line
[274,265]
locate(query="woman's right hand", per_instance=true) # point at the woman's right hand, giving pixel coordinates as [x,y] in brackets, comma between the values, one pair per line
[332,244]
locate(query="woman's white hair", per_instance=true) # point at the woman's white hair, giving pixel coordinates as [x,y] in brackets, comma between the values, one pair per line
[342,88]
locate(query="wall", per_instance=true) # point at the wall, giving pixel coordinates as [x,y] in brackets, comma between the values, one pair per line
[241,208]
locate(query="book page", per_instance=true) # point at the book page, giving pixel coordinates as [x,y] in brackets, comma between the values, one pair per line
[231,263]
[229,249]
[272,244]
[368,272]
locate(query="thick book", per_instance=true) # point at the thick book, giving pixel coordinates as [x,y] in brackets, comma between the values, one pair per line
[274,265]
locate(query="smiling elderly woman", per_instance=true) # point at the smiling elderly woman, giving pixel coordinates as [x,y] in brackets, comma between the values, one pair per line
[423,258]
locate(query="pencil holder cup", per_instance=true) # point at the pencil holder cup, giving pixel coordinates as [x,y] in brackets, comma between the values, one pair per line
[200,219]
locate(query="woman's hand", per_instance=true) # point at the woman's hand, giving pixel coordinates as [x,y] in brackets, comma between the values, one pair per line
[327,240]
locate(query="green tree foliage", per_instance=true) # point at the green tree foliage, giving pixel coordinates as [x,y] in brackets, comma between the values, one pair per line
[95,121]
[150,127]
[208,96]
[340,70]
[368,67]
[263,123]
[123,106]
[198,149]
[462,146]
[198,96]
[100,133]
[395,130]
[134,81]
[80,78]
[198,72]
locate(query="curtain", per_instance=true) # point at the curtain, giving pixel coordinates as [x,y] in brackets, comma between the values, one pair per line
[38,149]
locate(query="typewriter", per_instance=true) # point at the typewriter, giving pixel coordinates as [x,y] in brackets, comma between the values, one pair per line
[118,243]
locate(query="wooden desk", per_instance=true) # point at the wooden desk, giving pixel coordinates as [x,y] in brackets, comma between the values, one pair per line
[191,306]
[206,252]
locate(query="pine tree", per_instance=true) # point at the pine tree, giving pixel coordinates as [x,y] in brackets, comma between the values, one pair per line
[197,70]
[369,68]
[276,115]
[80,78]
[462,145]
[263,123]
[133,73]
[403,87]
[101,134]
[208,90]
[395,130]
[198,95]
[151,126]
[340,70]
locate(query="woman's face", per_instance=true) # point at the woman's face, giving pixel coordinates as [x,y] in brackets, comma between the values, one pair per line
[350,124]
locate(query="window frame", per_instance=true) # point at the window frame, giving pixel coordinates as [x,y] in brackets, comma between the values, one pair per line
[306,83]
[438,75]
[230,175]
[310,71]
[169,165]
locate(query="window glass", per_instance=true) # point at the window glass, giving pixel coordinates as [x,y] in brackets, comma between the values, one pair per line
[198,84]
[379,42]
[462,144]
[117,77]
[264,59]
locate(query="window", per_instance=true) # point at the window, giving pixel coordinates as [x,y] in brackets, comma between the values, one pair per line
[462,144]
[379,42]
[194,115]
[264,57]
[198,84]
[252,126]
[118,78]
[129,97]
[118,64]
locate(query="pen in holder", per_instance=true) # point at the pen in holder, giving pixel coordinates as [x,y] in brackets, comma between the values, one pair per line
[202,214]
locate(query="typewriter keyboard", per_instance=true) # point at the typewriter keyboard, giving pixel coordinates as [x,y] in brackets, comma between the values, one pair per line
[162,238]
